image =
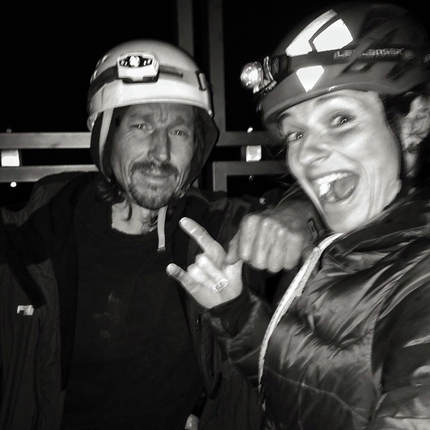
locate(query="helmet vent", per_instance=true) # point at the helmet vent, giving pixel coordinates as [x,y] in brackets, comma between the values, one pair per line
[397,71]
[359,67]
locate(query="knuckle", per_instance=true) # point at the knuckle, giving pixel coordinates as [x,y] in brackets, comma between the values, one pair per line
[274,268]
[201,260]
[267,223]
[258,266]
[193,270]
[258,263]
[290,262]
[249,221]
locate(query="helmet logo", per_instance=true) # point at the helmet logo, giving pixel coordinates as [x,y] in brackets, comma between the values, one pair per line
[309,76]
[137,67]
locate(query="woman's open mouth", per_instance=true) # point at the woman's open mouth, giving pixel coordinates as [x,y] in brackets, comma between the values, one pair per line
[335,187]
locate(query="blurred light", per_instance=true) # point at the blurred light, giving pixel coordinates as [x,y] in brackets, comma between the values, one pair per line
[250,130]
[252,75]
[10,158]
[253,153]
[13,184]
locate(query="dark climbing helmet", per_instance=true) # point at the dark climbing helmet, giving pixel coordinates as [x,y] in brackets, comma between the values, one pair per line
[359,46]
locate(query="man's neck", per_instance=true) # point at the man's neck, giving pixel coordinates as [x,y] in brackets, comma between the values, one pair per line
[142,220]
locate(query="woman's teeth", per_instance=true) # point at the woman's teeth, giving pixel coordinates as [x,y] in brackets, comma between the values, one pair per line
[336,186]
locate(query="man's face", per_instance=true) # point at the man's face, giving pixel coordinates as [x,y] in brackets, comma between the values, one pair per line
[344,155]
[152,151]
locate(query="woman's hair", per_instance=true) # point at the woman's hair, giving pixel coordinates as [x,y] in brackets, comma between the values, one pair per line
[397,107]
[110,191]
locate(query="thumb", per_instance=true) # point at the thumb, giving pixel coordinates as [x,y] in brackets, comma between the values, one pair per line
[232,256]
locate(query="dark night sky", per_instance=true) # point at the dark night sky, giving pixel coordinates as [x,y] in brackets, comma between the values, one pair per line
[48,55]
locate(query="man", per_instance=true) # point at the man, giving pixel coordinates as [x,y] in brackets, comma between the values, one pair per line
[85,299]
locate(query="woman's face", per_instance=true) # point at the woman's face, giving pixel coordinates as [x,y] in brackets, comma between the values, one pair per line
[343,153]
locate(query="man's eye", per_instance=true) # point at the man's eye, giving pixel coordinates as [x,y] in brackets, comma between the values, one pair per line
[142,126]
[180,133]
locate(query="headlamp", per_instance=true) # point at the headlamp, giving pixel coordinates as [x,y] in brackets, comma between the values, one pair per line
[137,67]
[258,77]
[263,76]
[252,76]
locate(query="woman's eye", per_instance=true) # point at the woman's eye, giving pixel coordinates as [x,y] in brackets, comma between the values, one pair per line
[292,137]
[340,119]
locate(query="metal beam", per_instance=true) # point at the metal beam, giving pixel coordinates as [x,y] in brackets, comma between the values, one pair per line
[185,25]
[44,140]
[222,170]
[216,60]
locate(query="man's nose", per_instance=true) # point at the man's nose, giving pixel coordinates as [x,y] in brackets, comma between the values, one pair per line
[160,146]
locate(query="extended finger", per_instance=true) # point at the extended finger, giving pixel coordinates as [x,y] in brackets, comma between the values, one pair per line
[203,239]
[179,274]
[205,296]
[196,277]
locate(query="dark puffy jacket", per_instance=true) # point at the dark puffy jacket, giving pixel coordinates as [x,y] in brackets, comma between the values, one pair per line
[353,351]
[38,278]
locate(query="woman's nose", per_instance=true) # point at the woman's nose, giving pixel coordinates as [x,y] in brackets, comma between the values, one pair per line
[312,148]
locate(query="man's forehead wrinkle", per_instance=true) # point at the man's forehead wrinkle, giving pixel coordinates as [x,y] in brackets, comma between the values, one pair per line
[164,116]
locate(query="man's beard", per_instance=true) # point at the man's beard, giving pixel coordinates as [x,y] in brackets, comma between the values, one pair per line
[152,196]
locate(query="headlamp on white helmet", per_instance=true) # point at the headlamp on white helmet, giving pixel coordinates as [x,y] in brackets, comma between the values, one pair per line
[137,67]
[145,71]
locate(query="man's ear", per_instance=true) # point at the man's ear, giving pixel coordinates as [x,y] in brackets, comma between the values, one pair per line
[415,126]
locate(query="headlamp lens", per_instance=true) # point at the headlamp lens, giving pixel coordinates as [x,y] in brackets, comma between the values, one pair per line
[252,76]
[137,67]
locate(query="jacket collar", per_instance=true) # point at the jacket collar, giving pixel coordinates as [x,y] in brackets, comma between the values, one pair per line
[406,219]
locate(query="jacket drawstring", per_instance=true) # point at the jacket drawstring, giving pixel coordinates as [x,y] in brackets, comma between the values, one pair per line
[293,291]
[161,223]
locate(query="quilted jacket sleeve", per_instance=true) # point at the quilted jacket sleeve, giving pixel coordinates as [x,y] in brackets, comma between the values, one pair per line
[405,387]
[240,326]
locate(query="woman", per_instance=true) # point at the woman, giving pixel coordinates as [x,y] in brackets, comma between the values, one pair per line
[348,346]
